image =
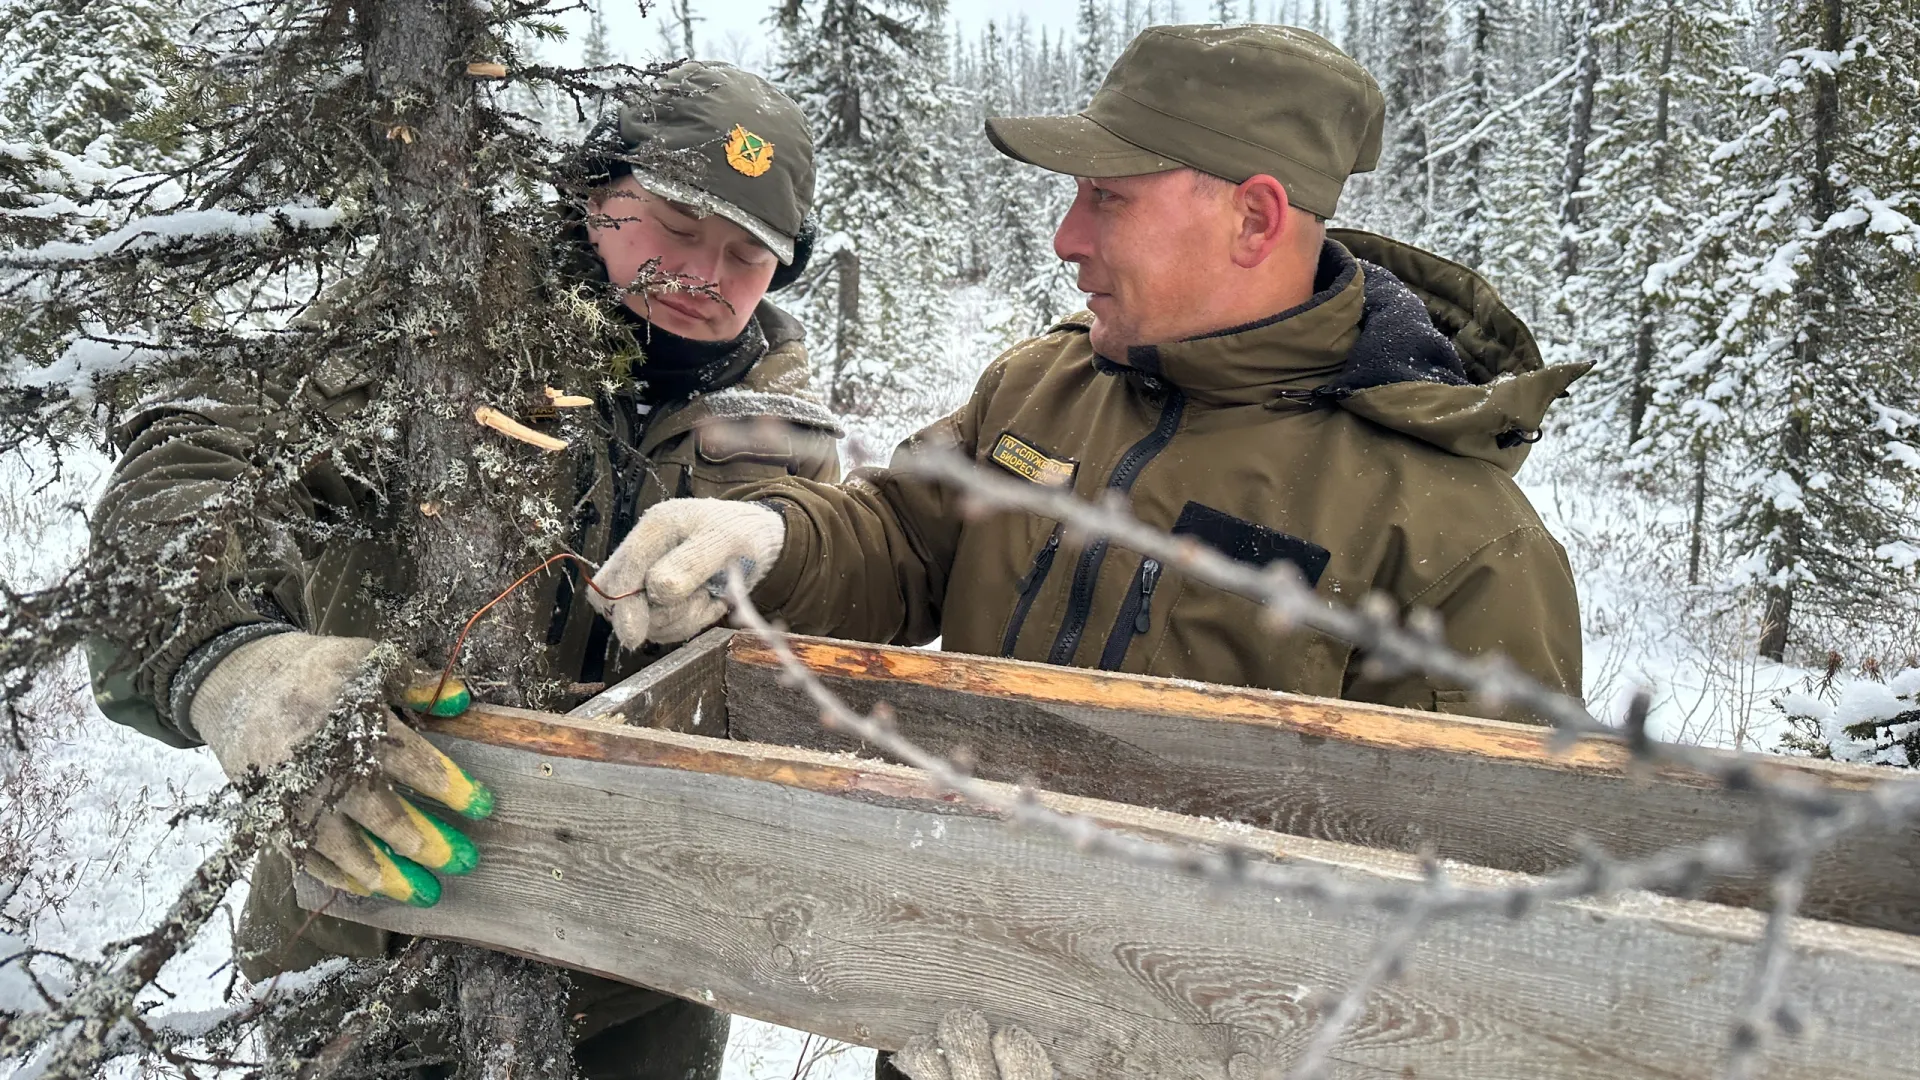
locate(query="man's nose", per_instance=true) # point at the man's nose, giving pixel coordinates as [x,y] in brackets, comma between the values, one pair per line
[701,263]
[1073,240]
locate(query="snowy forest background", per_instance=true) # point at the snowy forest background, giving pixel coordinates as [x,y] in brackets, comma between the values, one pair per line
[1713,200]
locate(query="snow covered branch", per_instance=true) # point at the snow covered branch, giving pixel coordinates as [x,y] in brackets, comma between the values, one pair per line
[162,232]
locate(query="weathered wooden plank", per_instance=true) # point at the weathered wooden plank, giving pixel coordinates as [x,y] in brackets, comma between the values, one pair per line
[1480,791]
[848,898]
[684,691]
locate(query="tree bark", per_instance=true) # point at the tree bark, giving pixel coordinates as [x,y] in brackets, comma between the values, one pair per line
[1579,133]
[1639,390]
[1696,540]
[1473,214]
[511,1025]
[846,336]
[457,521]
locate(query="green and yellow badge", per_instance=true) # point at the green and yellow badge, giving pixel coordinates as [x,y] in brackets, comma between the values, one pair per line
[748,153]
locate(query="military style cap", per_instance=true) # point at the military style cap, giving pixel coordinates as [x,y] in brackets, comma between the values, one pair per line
[1233,101]
[735,146]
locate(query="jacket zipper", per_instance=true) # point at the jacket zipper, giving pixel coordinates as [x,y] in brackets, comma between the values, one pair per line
[1087,574]
[1029,587]
[1136,616]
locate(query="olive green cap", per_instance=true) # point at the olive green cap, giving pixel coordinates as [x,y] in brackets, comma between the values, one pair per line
[734,146]
[1233,101]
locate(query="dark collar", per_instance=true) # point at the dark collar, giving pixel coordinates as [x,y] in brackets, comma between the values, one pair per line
[1362,327]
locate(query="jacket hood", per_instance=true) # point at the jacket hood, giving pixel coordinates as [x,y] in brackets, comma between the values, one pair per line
[1396,335]
[1440,358]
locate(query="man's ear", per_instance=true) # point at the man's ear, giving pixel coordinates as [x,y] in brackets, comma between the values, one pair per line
[1265,212]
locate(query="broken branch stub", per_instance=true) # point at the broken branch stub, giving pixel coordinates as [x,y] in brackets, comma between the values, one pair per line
[488,416]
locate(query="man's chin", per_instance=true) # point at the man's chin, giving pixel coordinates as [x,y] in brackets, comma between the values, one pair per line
[1105,341]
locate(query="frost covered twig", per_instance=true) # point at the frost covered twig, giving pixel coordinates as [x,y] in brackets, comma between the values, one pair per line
[1383,966]
[1763,1008]
[69,1041]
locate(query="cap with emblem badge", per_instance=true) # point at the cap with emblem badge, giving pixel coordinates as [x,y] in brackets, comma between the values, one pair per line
[727,142]
[1233,101]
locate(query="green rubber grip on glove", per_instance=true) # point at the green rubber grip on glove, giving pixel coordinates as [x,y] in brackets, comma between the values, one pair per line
[453,699]
[401,878]
[447,849]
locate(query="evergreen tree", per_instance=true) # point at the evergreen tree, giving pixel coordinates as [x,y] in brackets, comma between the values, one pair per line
[596,50]
[1466,232]
[1579,132]
[354,147]
[871,78]
[75,71]
[1095,48]
[1811,253]
[1648,182]
[1403,201]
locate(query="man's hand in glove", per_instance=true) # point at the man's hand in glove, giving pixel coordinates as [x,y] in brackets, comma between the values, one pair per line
[679,553]
[266,697]
[964,1047]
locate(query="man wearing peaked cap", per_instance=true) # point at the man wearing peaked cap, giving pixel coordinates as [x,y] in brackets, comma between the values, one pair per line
[1243,375]
[1232,102]
[696,206]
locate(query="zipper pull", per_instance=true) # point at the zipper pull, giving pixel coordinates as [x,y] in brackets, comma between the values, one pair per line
[1149,577]
[1040,563]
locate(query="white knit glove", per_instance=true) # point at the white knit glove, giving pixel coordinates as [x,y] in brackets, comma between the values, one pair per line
[965,1047]
[265,698]
[679,554]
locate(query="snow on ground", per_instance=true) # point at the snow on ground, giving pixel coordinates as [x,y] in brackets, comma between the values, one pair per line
[1644,627]
[88,807]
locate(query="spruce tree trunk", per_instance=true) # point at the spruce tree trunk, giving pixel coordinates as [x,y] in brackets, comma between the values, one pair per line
[1473,214]
[1818,293]
[1639,389]
[1697,534]
[432,264]
[846,336]
[1586,64]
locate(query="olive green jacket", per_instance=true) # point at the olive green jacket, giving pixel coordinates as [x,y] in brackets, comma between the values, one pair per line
[188,451]
[1369,437]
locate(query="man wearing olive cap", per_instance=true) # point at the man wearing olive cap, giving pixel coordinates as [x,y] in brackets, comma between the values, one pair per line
[1242,376]
[698,203]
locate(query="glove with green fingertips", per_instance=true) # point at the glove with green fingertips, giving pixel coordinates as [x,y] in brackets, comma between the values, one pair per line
[264,699]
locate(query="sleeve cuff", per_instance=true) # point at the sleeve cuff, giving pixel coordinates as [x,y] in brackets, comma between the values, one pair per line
[193,670]
[776,590]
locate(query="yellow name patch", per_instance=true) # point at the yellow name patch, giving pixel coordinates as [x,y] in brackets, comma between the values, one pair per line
[1022,460]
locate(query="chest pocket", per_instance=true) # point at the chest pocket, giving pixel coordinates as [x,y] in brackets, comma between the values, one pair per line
[1250,542]
[716,458]
[1218,636]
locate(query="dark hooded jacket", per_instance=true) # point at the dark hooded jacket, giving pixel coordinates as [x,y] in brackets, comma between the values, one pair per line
[1369,436]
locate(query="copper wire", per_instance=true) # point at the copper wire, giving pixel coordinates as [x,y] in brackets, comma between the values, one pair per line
[446,673]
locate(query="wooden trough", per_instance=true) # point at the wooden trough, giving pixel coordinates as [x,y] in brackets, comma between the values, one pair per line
[696,830]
